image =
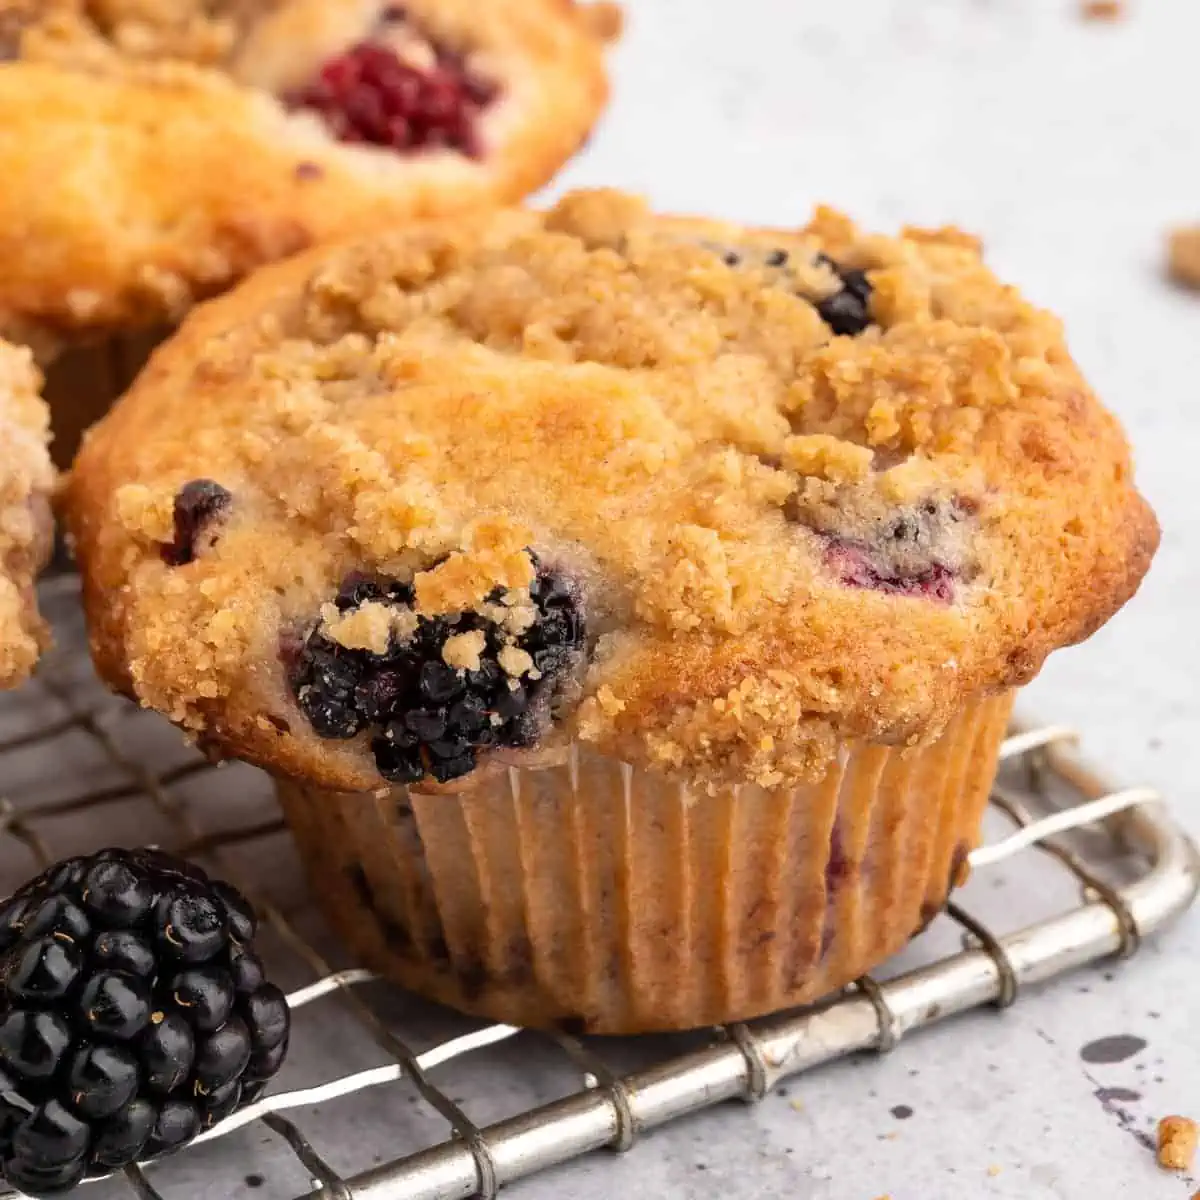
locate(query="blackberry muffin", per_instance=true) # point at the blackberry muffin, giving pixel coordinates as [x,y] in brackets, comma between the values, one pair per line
[26,527]
[629,606]
[225,133]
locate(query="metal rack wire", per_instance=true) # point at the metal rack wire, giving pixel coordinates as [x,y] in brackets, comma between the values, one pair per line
[1046,795]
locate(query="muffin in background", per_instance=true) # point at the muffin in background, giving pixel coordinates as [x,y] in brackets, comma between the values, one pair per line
[219,136]
[26,526]
[630,606]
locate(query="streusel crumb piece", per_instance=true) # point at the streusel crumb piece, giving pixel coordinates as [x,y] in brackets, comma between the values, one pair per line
[1103,10]
[1177,1137]
[1183,255]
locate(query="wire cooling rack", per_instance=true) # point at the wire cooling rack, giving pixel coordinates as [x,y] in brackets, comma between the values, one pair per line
[80,769]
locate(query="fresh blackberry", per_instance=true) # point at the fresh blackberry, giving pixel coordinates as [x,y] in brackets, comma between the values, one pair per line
[427,716]
[133,1015]
[196,504]
[848,311]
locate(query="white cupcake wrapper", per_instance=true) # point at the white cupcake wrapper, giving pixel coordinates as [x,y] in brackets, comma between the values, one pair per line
[597,897]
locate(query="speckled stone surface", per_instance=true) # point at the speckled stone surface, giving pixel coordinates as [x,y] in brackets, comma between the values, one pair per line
[1070,146]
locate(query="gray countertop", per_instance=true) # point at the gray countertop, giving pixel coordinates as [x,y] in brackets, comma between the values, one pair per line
[1070,146]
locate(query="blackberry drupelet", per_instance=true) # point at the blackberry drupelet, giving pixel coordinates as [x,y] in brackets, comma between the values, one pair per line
[427,716]
[196,504]
[370,95]
[133,1015]
[846,312]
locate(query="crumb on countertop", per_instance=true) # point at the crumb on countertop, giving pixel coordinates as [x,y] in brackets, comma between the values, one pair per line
[993,1171]
[1177,1137]
[1183,255]
[605,20]
[1103,10]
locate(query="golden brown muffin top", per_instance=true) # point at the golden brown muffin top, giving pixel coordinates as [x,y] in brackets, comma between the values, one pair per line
[788,487]
[25,482]
[155,150]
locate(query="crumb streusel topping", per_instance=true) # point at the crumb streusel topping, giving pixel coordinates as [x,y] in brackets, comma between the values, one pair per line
[26,479]
[797,487]
[155,150]
[1183,255]
[1177,1140]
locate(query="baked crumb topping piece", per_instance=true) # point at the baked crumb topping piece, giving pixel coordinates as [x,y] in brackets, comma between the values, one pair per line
[800,486]
[1183,255]
[1103,10]
[1177,1139]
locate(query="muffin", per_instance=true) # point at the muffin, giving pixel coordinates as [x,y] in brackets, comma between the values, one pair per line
[222,134]
[629,606]
[26,528]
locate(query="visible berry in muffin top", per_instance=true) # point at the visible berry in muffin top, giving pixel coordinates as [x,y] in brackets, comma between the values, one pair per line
[436,692]
[399,91]
[798,486]
[196,504]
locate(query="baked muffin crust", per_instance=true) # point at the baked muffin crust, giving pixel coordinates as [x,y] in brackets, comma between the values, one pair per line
[779,535]
[25,523]
[155,151]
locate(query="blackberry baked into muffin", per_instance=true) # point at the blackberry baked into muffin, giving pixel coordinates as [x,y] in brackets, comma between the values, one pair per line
[26,526]
[220,134]
[630,606]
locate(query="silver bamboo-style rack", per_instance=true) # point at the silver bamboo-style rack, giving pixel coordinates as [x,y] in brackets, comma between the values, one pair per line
[79,768]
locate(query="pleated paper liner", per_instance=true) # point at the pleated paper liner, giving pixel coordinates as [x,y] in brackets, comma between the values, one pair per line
[83,382]
[599,898]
